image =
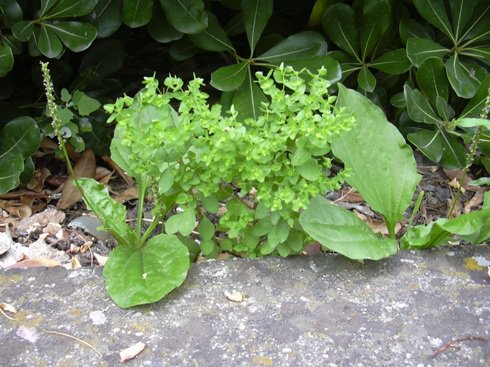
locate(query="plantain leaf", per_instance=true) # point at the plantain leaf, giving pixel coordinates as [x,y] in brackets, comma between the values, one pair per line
[229,78]
[187,16]
[340,26]
[418,106]
[213,38]
[382,164]
[136,276]
[432,80]
[339,230]
[420,49]
[136,13]
[298,46]
[76,36]
[256,14]
[393,62]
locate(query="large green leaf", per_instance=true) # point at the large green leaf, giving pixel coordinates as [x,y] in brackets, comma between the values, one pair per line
[160,28]
[432,80]
[23,30]
[420,49]
[11,167]
[461,76]
[375,20]
[341,231]
[366,79]
[67,8]
[256,14]
[110,212]
[20,136]
[187,16]
[136,13]
[48,42]
[11,12]
[476,104]
[298,46]
[418,106]
[76,36]
[6,60]
[461,12]
[382,164]
[434,12]
[339,23]
[109,17]
[474,227]
[393,62]
[213,38]
[477,29]
[146,275]
[428,143]
[228,78]
[248,98]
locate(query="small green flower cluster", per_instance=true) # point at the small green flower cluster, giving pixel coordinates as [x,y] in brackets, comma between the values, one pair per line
[195,151]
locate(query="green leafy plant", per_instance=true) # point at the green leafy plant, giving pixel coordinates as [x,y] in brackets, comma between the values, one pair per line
[362,35]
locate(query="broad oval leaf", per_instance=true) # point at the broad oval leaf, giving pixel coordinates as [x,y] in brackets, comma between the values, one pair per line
[76,36]
[187,16]
[6,60]
[434,11]
[420,49]
[393,62]
[11,167]
[418,106]
[462,77]
[109,18]
[256,14]
[432,80]
[382,164]
[160,28]
[48,42]
[341,231]
[228,78]
[68,8]
[340,26]
[366,79]
[137,276]
[298,46]
[111,213]
[136,13]
[213,38]
[23,30]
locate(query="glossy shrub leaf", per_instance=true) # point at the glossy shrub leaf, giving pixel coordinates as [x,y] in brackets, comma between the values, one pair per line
[213,38]
[111,213]
[474,227]
[366,79]
[48,42]
[435,13]
[187,16]
[461,77]
[160,28]
[475,105]
[444,110]
[411,28]
[11,167]
[428,143]
[348,64]
[418,106]
[341,231]
[477,29]
[20,136]
[432,80]
[375,20]
[256,14]
[136,13]
[103,58]
[6,60]
[393,62]
[420,49]
[298,46]
[11,12]
[109,17]
[339,23]
[183,223]
[248,98]
[313,64]
[461,12]
[67,8]
[382,164]
[76,36]
[136,276]
[23,30]
[473,122]
[229,78]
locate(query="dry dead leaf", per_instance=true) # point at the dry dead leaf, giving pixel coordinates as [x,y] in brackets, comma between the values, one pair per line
[38,180]
[35,263]
[103,175]
[85,167]
[234,296]
[474,202]
[119,171]
[52,228]
[8,307]
[42,252]
[75,263]
[86,247]
[39,220]
[456,176]
[132,351]
[101,259]
[126,195]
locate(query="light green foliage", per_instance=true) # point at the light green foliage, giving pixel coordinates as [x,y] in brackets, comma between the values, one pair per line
[197,155]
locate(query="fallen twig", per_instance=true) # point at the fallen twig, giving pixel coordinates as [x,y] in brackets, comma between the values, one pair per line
[72,337]
[454,342]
